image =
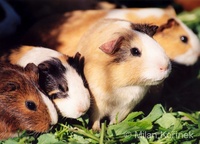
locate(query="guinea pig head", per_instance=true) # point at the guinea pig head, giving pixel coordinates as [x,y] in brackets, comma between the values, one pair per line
[22,105]
[65,86]
[179,42]
[119,53]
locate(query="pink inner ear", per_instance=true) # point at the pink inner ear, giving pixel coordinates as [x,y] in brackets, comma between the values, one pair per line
[111,46]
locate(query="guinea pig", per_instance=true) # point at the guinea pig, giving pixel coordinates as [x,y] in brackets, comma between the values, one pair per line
[62,77]
[122,61]
[9,19]
[22,105]
[178,41]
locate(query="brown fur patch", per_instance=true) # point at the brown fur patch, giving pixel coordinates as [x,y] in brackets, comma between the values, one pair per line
[16,54]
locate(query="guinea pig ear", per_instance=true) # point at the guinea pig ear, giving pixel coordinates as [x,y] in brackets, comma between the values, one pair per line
[8,86]
[32,70]
[170,23]
[44,67]
[77,62]
[111,47]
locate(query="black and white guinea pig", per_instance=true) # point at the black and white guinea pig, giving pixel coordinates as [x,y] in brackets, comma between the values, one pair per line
[22,105]
[69,93]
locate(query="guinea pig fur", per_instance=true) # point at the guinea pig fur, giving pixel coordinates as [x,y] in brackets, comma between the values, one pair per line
[73,98]
[122,61]
[22,105]
[179,42]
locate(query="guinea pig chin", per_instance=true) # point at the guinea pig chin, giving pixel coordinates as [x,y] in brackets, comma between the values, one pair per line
[155,77]
[71,109]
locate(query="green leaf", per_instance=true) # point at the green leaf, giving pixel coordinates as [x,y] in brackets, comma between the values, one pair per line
[124,128]
[195,132]
[10,141]
[102,135]
[143,140]
[47,139]
[189,142]
[168,120]
[189,116]
[132,115]
[84,120]
[76,139]
[156,113]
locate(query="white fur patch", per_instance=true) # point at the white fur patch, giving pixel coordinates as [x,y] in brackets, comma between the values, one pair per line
[124,24]
[188,58]
[143,13]
[119,14]
[154,59]
[78,101]
[51,109]
[126,99]
[37,55]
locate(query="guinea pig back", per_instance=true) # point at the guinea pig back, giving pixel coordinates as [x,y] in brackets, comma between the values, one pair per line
[22,105]
[179,42]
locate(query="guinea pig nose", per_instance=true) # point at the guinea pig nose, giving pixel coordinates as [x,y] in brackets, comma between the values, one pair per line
[165,67]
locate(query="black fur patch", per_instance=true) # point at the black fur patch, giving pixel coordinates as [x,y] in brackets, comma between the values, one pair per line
[51,77]
[145,28]
[77,62]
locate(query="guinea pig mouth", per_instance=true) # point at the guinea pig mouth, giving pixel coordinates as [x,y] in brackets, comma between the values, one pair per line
[154,81]
[159,81]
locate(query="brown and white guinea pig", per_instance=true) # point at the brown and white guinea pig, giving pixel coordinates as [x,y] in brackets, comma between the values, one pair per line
[122,61]
[61,79]
[64,32]
[22,105]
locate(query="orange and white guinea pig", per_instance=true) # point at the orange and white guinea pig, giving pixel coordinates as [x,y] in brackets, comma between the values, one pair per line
[63,32]
[22,105]
[60,77]
[122,61]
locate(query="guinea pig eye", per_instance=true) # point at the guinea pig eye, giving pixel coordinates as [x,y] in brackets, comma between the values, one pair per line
[31,105]
[135,51]
[184,39]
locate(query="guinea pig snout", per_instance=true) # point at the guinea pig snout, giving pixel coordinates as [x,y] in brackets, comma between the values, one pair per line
[164,70]
[82,110]
[165,67]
